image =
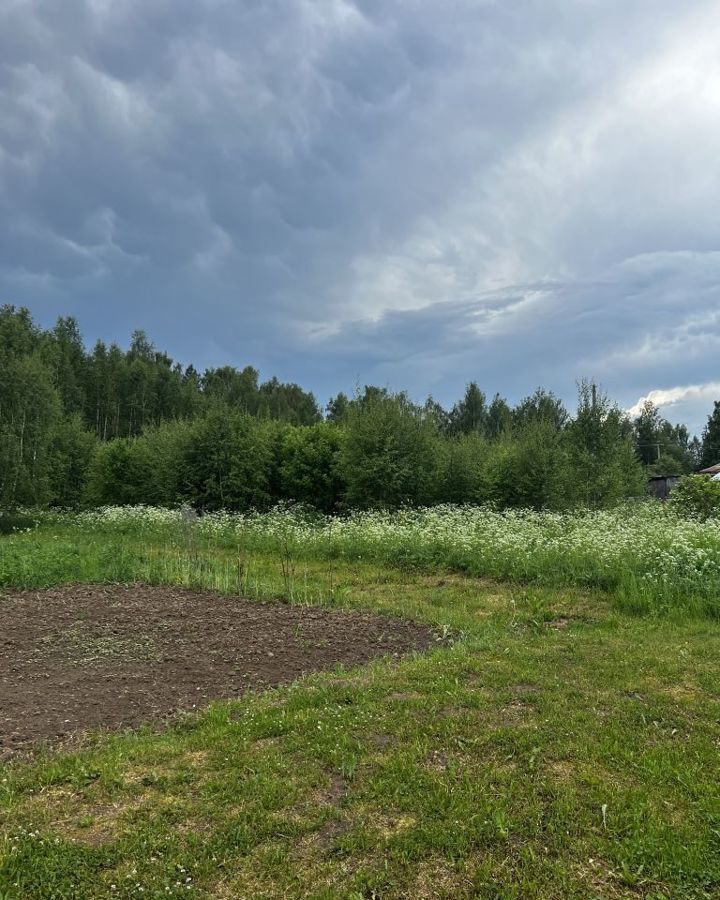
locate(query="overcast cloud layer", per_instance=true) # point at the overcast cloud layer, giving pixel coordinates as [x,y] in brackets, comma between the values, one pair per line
[405,192]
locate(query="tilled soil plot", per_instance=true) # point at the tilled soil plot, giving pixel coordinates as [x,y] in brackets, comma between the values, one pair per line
[83,657]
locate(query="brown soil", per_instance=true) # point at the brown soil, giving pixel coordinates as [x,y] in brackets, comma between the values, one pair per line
[81,657]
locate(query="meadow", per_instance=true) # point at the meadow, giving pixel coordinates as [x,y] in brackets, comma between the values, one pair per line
[562,739]
[646,557]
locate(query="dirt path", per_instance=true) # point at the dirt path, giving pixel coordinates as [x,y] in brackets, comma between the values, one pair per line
[82,657]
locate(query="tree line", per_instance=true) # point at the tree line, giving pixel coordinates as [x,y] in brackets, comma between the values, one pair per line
[108,425]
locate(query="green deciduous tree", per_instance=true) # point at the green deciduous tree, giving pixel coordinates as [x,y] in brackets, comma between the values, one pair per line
[29,411]
[662,447]
[541,406]
[470,414]
[309,465]
[390,456]
[120,473]
[70,452]
[465,468]
[711,439]
[229,461]
[530,467]
[133,426]
[337,408]
[603,466]
[68,364]
[499,418]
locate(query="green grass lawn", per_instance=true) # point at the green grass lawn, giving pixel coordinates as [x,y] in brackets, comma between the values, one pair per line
[558,749]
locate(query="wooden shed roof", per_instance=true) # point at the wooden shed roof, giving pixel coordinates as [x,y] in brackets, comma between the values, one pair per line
[711,470]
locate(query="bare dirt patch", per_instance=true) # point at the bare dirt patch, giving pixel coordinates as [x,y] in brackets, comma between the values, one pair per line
[82,657]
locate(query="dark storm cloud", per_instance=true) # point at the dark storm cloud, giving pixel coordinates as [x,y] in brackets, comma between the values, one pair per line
[409,192]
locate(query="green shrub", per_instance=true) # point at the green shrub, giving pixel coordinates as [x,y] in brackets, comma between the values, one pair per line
[697,496]
[12,522]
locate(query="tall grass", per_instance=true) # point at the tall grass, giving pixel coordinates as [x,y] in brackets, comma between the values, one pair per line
[645,556]
[38,560]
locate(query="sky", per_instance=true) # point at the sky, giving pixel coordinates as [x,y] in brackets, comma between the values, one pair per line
[410,193]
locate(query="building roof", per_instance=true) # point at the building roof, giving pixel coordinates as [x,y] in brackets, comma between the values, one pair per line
[711,470]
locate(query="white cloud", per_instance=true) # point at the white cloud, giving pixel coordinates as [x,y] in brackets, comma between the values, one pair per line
[664,397]
[626,164]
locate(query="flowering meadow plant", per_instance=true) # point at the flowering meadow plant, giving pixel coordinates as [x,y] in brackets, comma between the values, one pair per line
[643,550]
[129,518]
